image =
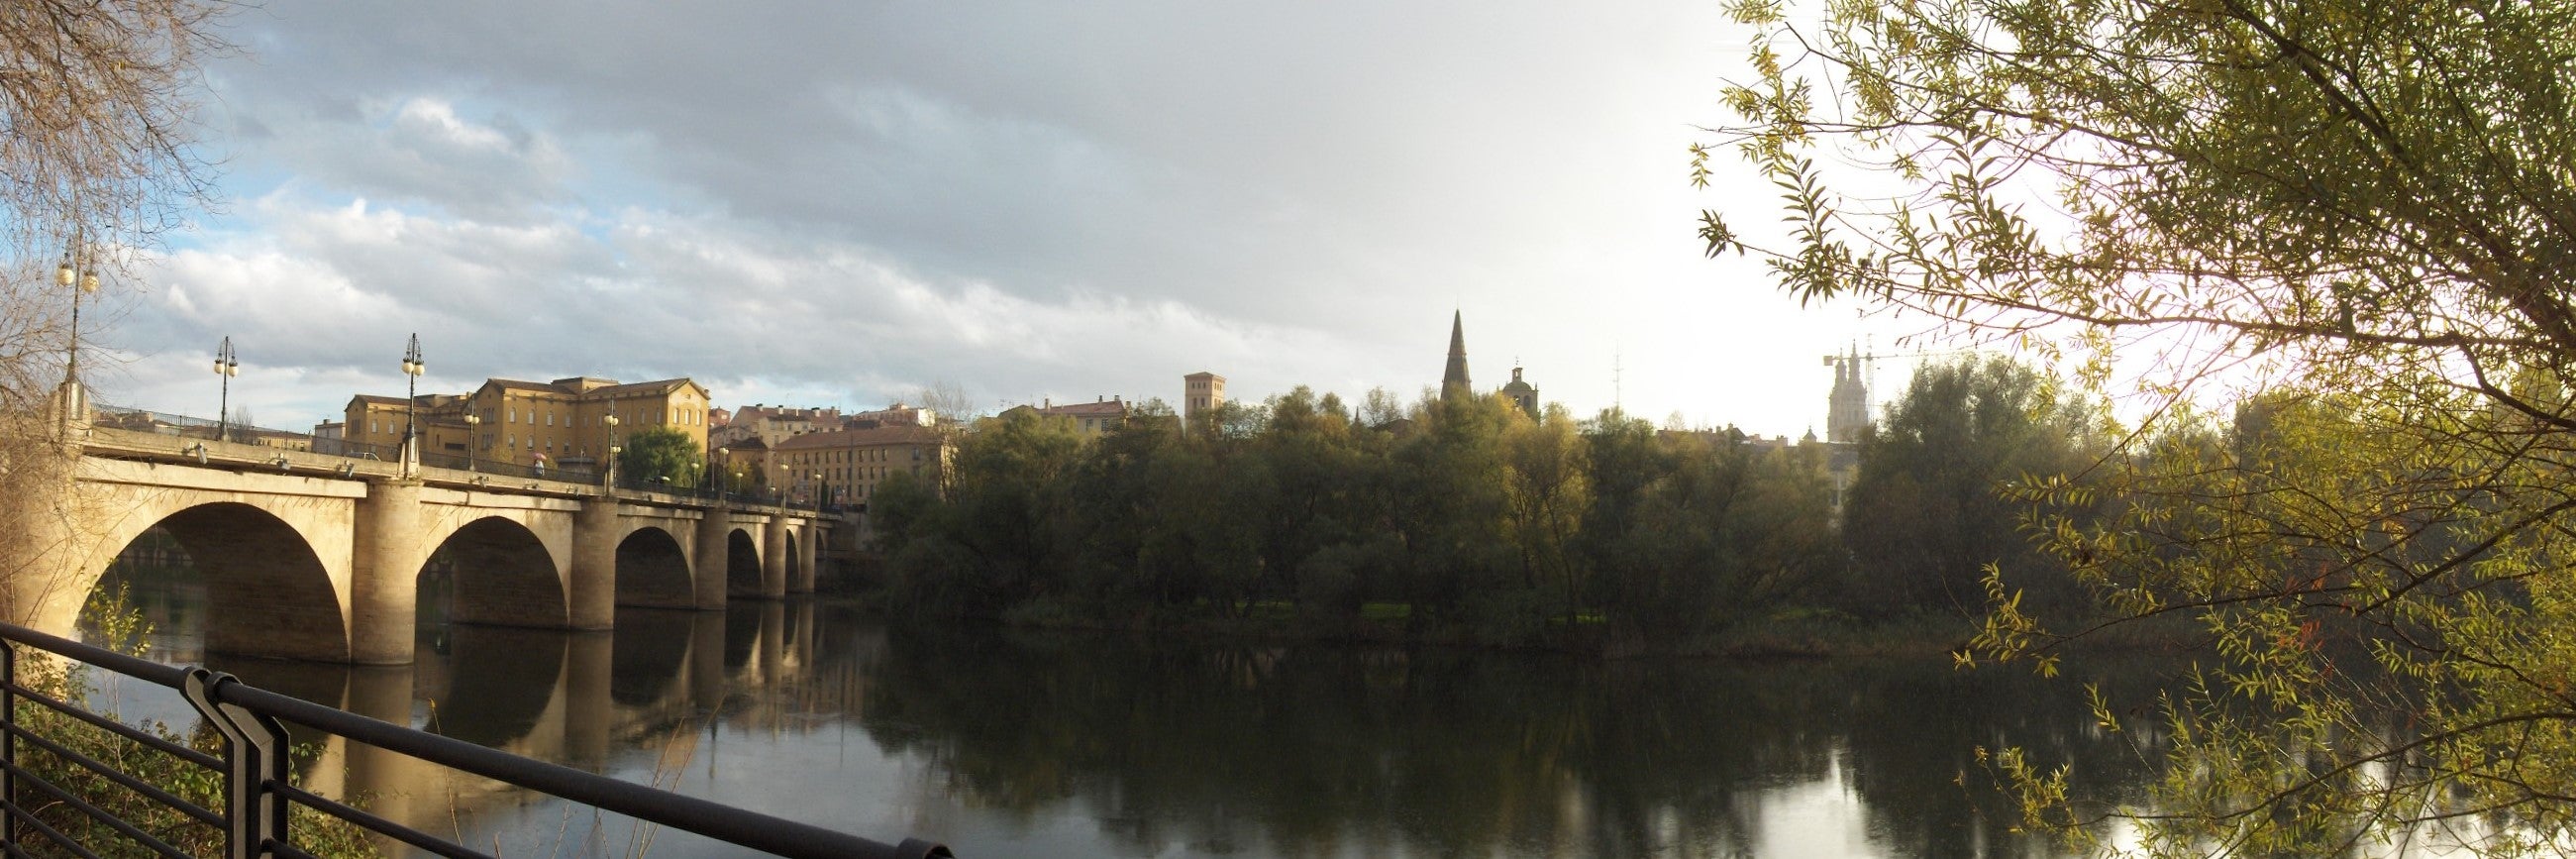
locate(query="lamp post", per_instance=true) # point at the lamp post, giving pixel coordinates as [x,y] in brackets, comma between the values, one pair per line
[821,490]
[71,274]
[608,472]
[411,367]
[473,436]
[226,366]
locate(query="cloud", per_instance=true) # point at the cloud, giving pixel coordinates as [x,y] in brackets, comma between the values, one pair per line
[417,150]
[839,202]
[333,291]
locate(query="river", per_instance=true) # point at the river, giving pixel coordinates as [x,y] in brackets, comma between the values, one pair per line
[1013,743]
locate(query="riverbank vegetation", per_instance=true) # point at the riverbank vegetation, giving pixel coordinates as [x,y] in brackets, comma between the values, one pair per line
[2359,211]
[1465,519]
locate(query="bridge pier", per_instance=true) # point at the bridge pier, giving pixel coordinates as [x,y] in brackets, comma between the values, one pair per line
[591,596]
[803,582]
[715,530]
[773,558]
[384,584]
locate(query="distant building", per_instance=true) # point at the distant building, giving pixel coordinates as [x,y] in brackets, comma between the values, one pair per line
[897,415]
[1453,378]
[1522,393]
[1093,419]
[847,466]
[562,423]
[1847,406]
[1846,423]
[774,424]
[1202,393]
[327,435]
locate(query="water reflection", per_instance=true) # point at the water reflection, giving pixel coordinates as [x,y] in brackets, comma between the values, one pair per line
[1007,743]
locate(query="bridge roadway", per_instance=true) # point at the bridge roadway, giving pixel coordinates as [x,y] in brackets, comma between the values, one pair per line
[316,556]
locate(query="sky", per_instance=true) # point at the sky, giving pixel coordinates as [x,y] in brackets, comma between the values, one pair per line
[839,203]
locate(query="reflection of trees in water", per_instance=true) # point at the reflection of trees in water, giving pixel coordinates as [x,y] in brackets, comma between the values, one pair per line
[1457,752]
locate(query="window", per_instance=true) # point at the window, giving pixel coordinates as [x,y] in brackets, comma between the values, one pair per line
[513,416]
[550,419]
[512,439]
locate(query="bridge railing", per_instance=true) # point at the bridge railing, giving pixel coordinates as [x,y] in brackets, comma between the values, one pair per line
[185,426]
[663,484]
[258,788]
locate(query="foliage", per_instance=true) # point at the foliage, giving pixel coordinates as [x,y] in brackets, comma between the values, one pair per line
[124,629]
[660,451]
[2362,209]
[1478,521]
[97,162]
[1931,481]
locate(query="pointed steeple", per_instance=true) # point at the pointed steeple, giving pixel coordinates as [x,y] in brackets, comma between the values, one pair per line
[1453,380]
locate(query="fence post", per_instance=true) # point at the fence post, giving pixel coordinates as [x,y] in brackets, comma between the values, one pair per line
[254,756]
[8,741]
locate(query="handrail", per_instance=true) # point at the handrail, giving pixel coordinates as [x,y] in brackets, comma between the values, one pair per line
[715,820]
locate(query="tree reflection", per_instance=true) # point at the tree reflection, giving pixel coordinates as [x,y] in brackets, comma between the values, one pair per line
[1313,750]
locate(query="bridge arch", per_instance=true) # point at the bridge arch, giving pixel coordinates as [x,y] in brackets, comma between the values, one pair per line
[653,570]
[269,591]
[795,559]
[502,574]
[742,563]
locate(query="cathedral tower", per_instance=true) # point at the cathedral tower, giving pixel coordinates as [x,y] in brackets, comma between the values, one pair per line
[1453,381]
[1847,408]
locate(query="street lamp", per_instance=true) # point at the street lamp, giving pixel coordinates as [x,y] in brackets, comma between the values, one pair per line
[226,366]
[411,367]
[473,436]
[67,275]
[608,473]
[821,489]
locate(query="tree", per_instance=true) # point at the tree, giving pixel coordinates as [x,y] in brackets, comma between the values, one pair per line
[1929,511]
[662,452]
[948,399]
[2365,205]
[97,160]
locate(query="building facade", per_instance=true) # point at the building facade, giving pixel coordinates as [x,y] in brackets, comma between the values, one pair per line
[1092,419]
[1202,394]
[1847,405]
[1523,394]
[561,424]
[847,466]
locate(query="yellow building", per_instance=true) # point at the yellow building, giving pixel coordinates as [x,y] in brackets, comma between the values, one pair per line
[1202,394]
[562,423]
[850,464]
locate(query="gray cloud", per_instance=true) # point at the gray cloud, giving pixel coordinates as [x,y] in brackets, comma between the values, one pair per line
[838,201]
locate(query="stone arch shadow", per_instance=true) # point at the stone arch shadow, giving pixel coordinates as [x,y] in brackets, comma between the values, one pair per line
[742,563]
[653,571]
[502,575]
[795,559]
[268,593]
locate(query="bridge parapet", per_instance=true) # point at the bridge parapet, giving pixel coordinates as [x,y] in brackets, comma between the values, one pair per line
[112,443]
[334,545]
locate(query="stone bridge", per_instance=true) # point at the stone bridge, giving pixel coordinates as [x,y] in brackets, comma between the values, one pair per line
[315,556]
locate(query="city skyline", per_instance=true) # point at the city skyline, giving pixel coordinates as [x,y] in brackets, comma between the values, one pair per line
[1287,197]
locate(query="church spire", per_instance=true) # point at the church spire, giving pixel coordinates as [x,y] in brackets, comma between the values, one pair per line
[1453,381]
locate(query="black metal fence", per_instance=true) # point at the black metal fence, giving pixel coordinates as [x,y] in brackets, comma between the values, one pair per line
[258,790]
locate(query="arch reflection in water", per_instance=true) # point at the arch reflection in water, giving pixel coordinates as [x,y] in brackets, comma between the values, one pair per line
[1004,743]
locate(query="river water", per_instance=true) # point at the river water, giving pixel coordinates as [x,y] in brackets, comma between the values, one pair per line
[1011,743]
